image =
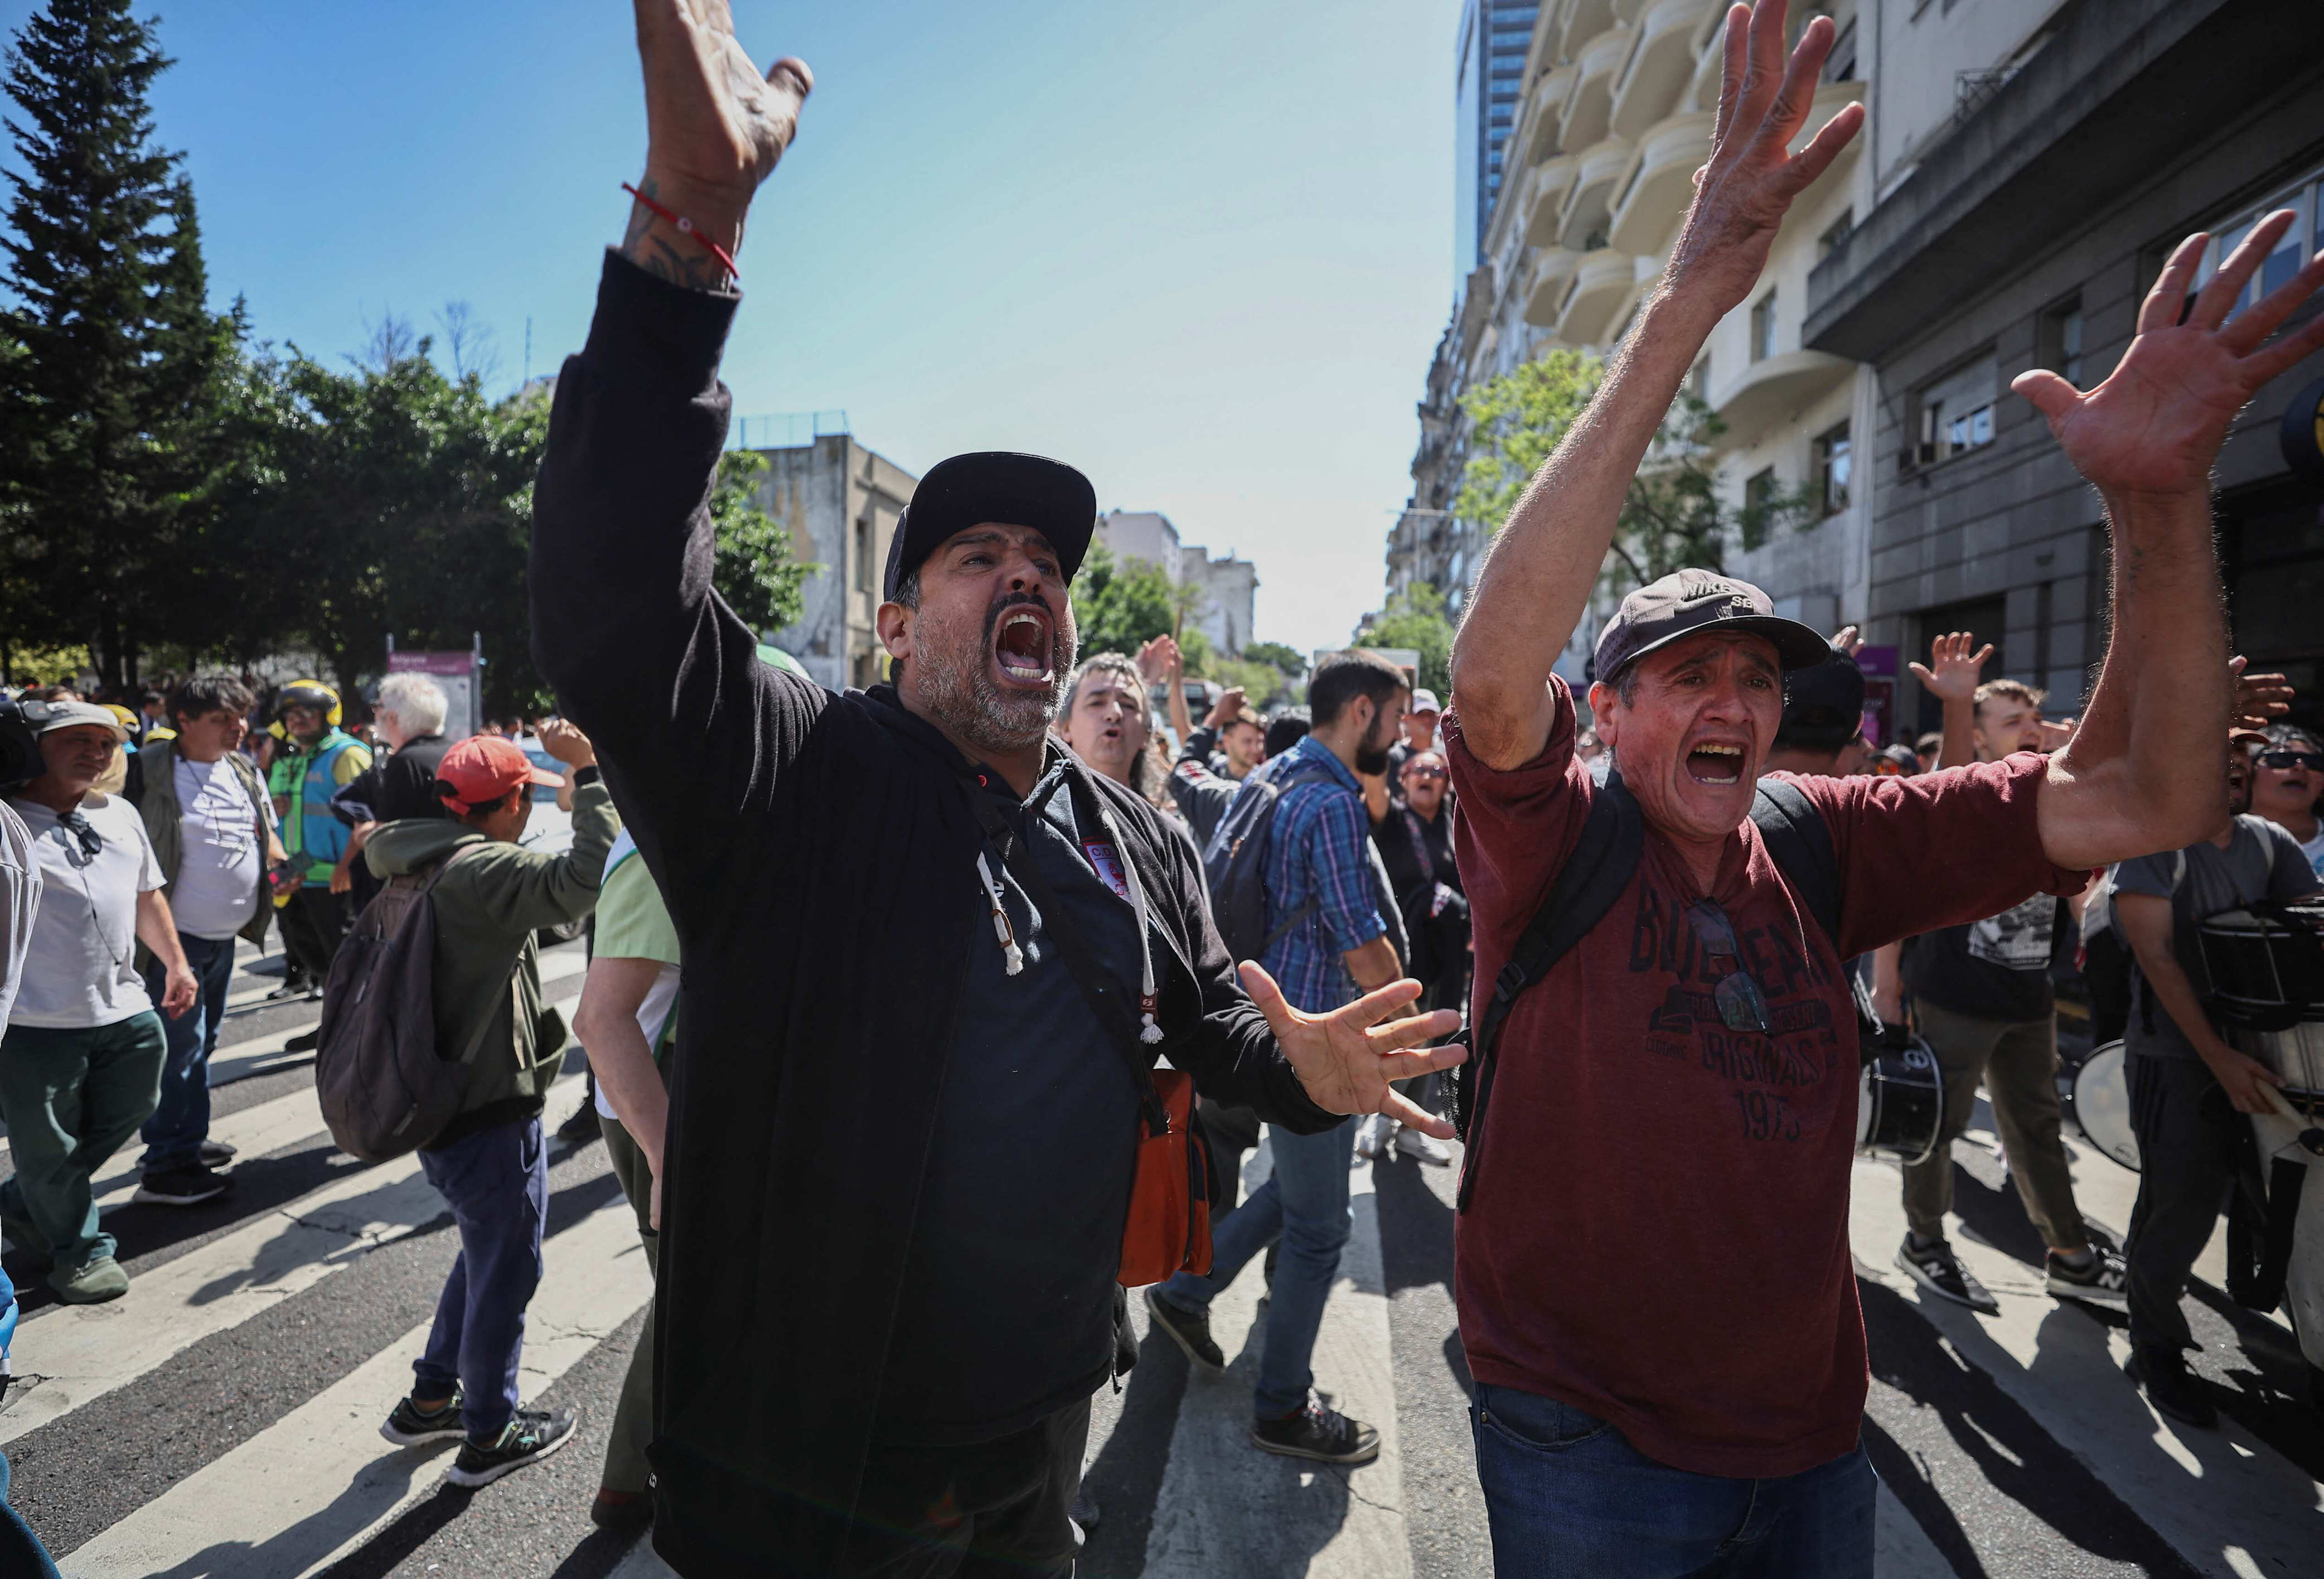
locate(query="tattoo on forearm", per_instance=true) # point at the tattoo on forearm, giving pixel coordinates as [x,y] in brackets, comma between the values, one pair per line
[693,268]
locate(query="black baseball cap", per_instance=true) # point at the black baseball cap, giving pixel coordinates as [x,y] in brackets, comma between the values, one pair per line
[994,485]
[1823,705]
[1685,601]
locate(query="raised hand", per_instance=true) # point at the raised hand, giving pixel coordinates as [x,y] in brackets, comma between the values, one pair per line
[2260,698]
[2156,424]
[715,129]
[1951,672]
[566,743]
[1229,706]
[1743,192]
[1846,640]
[1160,660]
[1345,1059]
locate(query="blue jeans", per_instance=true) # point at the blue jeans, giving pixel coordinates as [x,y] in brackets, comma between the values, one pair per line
[182,1120]
[496,1182]
[1305,1202]
[1568,1498]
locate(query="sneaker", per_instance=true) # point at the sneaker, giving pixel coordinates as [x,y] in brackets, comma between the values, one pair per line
[217,1153]
[1937,1269]
[2175,1391]
[286,991]
[533,1436]
[409,1425]
[1189,1329]
[314,992]
[583,1127]
[25,1237]
[186,1185]
[305,1041]
[1370,1135]
[94,1284]
[622,1511]
[2105,1280]
[1410,1142]
[1318,1432]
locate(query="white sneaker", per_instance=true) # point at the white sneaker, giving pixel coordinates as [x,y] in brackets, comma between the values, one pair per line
[1369,1135]
[1410,1142]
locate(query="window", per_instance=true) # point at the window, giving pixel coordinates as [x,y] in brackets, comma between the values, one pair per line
[2061,346]
[1758,505]
[1957,413]
[1832,465]
[1829,242]
[1763,327]
[2302,241]
[1839,65]
[864,537]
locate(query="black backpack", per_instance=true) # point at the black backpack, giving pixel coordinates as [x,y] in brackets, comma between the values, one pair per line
[386,1088]
[1604,859]
[1235,866]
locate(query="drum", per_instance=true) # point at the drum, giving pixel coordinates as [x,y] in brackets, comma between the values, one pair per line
[2267,965]
[2296,1052]
[1900,1102]
[2099,1104]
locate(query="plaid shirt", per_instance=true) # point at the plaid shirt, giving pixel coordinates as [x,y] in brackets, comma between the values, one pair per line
[1320,848]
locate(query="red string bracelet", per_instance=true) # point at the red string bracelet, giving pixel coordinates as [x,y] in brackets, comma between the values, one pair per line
[725,259]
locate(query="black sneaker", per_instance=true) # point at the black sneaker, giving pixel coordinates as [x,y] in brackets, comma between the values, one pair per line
[1318,1432]
[217,1153]
[1189,1329]
[533,1436]
[305,1041]
[409,1426]
[186,1185]
[584,1126]
[1942,1273]
[286,991]
[2104,1281]
[2174,1390]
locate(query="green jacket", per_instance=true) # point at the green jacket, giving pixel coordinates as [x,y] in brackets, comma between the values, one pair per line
[487,968]
[165,821]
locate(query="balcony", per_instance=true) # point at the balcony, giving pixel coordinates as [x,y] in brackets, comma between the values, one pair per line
[1772,389]
[1546,197]
[1544,106]
[1592,102]
[1591,201]
[1661,62]
[1584,20]
[1601,282]
[1545,286]
[1660,183]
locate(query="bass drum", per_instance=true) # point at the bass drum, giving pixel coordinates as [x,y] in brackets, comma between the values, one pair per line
[2099,1105]
[1900,1102]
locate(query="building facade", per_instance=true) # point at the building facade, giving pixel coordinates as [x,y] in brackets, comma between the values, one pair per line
[840,501]
[1225,590]
[1496,36]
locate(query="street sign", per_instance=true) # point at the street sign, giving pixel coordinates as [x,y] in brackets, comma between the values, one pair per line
[456,673]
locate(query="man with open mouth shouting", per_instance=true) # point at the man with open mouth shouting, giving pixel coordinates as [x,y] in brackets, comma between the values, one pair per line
[1654,1277]
[930,957]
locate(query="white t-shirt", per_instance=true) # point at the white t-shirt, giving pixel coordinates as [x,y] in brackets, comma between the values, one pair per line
[2314,850]
[20,901]
[82,970]
[217,890]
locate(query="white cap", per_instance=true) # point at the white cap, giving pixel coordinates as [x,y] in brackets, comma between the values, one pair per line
[1424,700]
[44,717]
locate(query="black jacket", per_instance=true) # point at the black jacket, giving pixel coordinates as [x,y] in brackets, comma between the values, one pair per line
[817,852]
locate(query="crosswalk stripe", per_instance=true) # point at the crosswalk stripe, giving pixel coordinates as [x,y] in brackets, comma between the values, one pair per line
[315,1485]
[2217,1498]
[1225,1507]
[68,1355]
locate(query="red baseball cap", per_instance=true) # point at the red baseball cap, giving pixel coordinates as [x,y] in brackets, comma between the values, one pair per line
[482,769]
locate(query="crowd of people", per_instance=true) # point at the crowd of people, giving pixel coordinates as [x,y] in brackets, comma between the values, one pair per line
[928,1022]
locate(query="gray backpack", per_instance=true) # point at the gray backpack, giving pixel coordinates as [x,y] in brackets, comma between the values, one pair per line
[386,1088]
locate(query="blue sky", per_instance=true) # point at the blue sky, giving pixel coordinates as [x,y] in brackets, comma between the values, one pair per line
[1201,250]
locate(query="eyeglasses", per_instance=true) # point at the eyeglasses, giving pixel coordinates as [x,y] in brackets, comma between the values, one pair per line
[2312,761]
[1425,773]
[1742,1006]
[92,843]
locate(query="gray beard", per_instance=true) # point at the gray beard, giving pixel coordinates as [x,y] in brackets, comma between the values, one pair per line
[969,704]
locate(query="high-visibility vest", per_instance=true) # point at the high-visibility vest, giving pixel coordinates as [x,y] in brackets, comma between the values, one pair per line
[310,829]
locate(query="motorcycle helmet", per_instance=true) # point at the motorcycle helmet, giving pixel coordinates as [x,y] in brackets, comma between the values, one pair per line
[309,693]
[20,749]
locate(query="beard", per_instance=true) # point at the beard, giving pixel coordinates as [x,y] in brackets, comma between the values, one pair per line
[955,683]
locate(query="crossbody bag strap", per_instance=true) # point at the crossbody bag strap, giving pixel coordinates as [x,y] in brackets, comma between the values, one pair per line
[1080,964]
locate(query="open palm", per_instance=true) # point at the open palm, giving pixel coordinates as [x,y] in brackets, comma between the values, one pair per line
[2156,424]
[1346,1060]
[715,126]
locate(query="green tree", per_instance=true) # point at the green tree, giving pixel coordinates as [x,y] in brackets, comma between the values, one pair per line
[754,569]
[1275,652]
[1414,618]
[1671,516]
[1120,604]
[109,395]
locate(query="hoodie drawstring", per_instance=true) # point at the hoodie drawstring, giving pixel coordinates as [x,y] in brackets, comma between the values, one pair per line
[1148,1000]
[1001,927]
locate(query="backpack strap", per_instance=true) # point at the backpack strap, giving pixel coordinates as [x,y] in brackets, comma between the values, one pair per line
[1800,841]
[1604,859]
[1282,930]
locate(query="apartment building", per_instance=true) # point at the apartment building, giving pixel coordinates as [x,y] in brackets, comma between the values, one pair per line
[840,501]
[1225,589]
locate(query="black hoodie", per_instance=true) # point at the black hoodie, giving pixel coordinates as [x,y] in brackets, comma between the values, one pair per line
[818,854]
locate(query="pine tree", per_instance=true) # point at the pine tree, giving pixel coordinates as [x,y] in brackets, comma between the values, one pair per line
[109,431]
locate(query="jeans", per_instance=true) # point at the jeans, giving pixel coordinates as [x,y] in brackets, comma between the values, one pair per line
[626,1469]
[2018,1063]
[1568,1498]
[2187,1136]
[496,1182]
[71,1097]
[21,1555]
[1305,1202]
[181,1119]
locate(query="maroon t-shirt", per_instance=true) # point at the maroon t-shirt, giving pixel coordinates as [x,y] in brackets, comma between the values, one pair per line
[1658,1228]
